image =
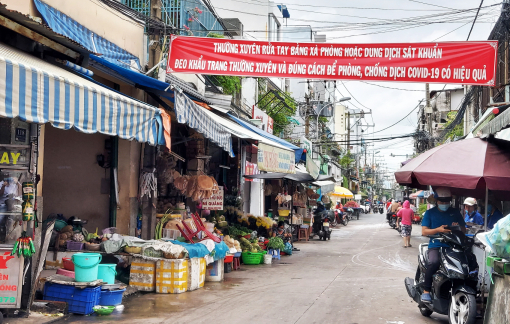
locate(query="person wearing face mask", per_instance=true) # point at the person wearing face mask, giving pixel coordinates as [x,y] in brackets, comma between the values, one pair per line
[472,215]
[436,220]
[494,215]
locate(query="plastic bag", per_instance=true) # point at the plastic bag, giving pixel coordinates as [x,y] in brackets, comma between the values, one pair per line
[498,239]
[288,248]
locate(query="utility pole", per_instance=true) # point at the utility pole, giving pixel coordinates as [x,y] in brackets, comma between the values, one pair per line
[307,116]
[428,112]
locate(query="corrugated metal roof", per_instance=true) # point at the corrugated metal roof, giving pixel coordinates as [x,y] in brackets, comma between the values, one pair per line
[186,87]
[41,28]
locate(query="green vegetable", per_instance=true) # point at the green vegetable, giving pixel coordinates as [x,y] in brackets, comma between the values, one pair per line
[275,243]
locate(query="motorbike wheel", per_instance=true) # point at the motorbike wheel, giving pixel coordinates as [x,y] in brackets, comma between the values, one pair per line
[425,311]
[346,221]
[462,309]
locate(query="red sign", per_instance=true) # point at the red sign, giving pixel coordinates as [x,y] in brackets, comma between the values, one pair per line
[448,62]
[267,122]
[251,169]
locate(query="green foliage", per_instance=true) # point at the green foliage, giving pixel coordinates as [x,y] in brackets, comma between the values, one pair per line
[215,35]
[346,160]
[422,208]
[456,131]
[230,84]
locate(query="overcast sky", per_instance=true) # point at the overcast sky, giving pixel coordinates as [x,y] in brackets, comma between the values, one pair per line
[390,105]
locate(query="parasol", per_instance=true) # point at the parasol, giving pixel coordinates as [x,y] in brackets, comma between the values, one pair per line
[341,192]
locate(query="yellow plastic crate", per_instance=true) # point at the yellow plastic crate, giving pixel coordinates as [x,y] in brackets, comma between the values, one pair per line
[143,274]
[172,276]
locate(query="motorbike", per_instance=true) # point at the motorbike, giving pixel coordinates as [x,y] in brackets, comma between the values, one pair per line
[381,208]
[321,225]
[393,221]
[454,284]
[350,214]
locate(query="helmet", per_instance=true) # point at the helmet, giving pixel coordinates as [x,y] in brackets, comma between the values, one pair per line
[470,201]
[443,194]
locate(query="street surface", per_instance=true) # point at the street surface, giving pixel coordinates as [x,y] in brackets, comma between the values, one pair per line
[357,277]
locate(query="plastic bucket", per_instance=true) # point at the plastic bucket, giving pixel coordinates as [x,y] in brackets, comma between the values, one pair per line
[106,272]
[268,259]
[85,266]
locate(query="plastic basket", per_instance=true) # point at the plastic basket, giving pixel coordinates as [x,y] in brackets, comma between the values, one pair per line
[262,256]
[111,298]
[74,246]
[80,301]
[251,258]
[229,258]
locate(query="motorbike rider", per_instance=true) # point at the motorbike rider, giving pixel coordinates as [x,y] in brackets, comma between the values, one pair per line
[435,221]
[472,215]
[392,210]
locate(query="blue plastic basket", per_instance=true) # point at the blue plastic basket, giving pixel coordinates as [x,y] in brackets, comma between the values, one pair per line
[111,298]
[80,301]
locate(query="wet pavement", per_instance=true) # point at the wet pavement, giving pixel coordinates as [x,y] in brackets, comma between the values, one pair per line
[356,277]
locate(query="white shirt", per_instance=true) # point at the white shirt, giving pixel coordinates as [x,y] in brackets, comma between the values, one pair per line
[9,189]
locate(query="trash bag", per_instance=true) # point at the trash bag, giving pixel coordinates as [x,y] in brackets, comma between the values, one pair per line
[498,239]
[288,248]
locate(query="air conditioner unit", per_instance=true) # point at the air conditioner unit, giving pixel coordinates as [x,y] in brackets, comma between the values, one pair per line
[234,26]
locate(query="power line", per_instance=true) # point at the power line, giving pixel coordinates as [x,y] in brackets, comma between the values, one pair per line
[399,120]
[473,25]
[380,86]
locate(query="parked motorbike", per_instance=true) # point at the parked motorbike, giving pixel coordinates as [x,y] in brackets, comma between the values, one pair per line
[345,219]
[321,224]
[454,284]
[350,213]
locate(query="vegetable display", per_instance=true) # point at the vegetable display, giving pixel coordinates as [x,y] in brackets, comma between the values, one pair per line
[159,227]
[275,243]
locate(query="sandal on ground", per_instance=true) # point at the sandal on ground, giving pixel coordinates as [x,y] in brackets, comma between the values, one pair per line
[405,246]
[410,245]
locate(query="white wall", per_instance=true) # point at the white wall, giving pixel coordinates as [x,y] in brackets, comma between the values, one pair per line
[252,14]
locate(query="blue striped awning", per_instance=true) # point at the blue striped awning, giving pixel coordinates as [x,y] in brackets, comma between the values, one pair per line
[67,26]
[196,117]
[39,92]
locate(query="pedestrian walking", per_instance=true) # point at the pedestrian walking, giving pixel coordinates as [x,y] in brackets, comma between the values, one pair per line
[406,215]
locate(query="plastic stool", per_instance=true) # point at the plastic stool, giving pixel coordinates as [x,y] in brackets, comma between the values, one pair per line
[274,253]
[303,234]
[236,263]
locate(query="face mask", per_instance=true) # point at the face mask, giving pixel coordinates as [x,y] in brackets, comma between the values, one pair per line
[489,208]
[443,207]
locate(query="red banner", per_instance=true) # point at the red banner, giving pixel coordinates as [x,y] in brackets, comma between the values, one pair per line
[448,62]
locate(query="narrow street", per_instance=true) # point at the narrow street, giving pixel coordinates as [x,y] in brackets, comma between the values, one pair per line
[357,277]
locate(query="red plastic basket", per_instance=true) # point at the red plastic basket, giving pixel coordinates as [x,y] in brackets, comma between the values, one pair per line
[229,258]
[68,264]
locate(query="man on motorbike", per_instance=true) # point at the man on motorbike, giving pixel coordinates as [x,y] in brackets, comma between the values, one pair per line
[435,221]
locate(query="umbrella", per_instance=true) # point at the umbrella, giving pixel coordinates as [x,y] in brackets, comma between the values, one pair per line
[468,167]
[341,192]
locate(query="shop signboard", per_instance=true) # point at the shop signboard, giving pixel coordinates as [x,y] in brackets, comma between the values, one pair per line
[267,122]
[215,202]
[311,166]
[472,62]
[13,156]
[10,279]
[275,159]
[251,169]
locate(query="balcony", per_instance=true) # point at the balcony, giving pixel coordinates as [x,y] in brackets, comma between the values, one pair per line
[192,17]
